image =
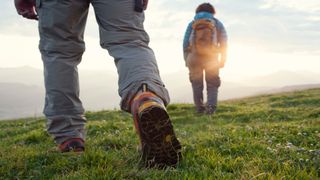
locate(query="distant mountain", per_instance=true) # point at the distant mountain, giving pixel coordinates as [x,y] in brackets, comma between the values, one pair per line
[293,88]
[22,89]
[284,78]
[99,90]
[22,75]
[20,100]
[180,88]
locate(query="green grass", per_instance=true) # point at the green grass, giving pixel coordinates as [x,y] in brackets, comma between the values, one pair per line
[264,137]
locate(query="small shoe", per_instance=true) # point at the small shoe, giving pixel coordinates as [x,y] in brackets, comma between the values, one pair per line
[72,145]
[159,145]
[211,109]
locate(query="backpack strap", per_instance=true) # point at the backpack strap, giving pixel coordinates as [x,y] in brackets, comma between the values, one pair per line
[192,34]
[201,23]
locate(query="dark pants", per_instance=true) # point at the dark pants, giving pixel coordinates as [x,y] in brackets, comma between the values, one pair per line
[209,69]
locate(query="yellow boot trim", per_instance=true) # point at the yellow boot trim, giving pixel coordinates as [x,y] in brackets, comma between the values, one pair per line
[149,104]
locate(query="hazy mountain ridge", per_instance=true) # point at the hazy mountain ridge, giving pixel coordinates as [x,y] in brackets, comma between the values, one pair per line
[22,89]
[20,100]
[22,75]
[285,78]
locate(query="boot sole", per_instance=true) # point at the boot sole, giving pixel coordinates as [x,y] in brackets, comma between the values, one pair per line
[160,147]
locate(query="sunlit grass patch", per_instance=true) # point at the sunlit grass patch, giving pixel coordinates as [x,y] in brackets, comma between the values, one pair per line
[264,137]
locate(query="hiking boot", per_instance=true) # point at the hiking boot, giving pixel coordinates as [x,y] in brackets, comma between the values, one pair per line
[159,145]
[211,109]
[200,110]
[72,145]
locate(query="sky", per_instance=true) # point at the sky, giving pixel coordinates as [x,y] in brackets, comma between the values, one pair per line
[265,36]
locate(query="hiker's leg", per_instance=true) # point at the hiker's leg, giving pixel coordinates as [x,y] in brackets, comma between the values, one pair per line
[123,35]
[61,28]
[213,82]
[196,79]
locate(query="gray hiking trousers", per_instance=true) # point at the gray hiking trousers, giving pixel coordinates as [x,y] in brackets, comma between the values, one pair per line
[197,70]
[61,28]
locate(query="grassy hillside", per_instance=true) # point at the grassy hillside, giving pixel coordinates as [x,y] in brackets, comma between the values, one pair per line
[272,136]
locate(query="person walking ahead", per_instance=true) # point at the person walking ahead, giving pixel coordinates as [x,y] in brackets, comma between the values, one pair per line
[61,29]
[205,51]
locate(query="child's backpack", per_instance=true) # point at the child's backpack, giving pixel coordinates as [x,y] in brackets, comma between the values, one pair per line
[204,39]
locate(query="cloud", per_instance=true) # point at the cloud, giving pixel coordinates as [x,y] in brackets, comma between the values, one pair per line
[312,6]
[12,23]
[275,25]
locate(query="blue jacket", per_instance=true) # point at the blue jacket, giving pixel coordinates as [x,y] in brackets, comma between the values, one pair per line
[222,34]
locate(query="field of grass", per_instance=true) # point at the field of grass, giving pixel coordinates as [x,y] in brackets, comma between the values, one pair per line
[264,137]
